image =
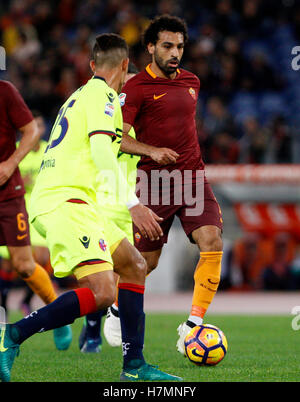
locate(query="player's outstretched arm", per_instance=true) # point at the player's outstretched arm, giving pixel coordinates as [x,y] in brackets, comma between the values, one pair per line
[30,136]
[129,145]
[105,160]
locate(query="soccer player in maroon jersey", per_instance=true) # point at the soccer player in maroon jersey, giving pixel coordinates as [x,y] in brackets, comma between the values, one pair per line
[161,105]
[14,228]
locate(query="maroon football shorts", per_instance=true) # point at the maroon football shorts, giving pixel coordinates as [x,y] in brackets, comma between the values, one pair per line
[192,217]
[14,227]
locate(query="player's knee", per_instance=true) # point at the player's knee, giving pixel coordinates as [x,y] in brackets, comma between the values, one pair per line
[23,266]
[139,267]
[105,298]
[212,242]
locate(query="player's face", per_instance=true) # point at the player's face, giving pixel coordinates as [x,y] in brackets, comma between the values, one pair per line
[168,51]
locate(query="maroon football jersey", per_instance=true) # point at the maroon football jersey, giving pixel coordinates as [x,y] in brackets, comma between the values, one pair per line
[162,112]
[14,114]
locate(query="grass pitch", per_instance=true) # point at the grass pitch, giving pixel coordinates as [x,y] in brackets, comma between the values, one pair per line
[260,349]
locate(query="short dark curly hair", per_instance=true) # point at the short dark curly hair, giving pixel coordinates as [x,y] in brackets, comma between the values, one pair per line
[109,48]
[161,23]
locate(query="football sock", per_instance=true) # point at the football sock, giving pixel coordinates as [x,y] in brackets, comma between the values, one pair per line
[207,278]
[115,309]
[63,311]
[132,317]
[40,283]
[93,324]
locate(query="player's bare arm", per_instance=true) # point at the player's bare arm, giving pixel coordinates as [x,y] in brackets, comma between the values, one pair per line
[143,217]
[30,136]
[129,145]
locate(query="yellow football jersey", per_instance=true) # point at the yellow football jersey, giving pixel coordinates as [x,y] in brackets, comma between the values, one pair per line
[67,169]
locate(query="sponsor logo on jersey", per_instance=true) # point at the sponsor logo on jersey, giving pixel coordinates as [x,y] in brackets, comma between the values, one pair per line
[159,96]
[85,241]
[21,237]
[109,109]
[122,98]
[111,97]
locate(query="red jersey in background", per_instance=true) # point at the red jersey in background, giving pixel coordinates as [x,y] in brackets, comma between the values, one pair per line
[14,114]
[162,112]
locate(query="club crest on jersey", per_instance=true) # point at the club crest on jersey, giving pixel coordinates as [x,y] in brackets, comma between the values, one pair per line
[192,93]
[109,109]
[122,98]
[102,245]
[137,237]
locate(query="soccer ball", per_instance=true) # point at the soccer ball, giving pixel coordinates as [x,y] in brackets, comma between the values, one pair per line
[205,345]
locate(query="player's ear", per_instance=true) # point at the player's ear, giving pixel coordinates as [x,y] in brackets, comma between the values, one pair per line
[151,48]
[125,63]
[92,65]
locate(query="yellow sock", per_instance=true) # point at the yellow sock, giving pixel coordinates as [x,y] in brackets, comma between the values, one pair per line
[40,283]
[207,278]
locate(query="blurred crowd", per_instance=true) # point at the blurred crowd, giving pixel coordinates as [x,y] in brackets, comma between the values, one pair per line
[244,114]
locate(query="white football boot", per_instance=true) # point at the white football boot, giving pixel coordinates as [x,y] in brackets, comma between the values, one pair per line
[112,328]
[182,330]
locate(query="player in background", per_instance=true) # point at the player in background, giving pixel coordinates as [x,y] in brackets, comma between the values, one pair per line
[161,106]
[14,227]
[29,168]
[90,339]
[64,210]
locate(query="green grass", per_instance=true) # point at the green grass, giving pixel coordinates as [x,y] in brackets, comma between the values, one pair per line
[261,349]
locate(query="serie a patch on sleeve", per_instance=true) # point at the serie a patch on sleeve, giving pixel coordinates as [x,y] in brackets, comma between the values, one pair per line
[122,98]
[109,109]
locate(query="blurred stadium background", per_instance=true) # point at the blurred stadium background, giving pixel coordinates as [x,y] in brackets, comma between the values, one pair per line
[248,115]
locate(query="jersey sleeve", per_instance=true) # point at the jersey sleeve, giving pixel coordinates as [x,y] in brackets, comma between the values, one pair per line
[101,114]
[133,101]
[18,111]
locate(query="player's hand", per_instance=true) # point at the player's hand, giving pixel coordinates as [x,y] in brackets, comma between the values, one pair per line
[6,170]
[146,221]
[164,156]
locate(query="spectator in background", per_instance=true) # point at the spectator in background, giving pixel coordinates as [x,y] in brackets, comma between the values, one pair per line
[251,255]
[47,44]
[259,75]
[253,143]
[280,142]
[218,118]
[219,144]
[28,46]
[223,150]
[278,274]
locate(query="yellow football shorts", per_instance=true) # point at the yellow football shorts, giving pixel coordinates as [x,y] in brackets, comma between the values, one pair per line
[120,218]
[78,236]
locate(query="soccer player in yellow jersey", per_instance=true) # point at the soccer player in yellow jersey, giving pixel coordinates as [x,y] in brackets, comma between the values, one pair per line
[39,281]
[90,339]
[65,211]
